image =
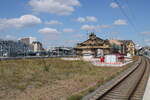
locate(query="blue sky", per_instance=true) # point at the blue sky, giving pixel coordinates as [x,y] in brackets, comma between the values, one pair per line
[66,22]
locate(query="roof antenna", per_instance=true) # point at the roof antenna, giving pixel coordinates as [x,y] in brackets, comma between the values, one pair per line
[87,34]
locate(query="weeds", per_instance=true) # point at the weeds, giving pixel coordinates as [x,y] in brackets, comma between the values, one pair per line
[37,73]
[75,97]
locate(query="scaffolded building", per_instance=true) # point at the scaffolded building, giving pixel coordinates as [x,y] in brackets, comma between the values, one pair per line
[94,46]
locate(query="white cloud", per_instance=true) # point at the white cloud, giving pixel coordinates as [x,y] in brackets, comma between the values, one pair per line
[104,26]
[114,5]
[120,22]
[68,30]
[86,19]
[88,27]
[94,27]
[10,37]
[114,32]
[48,31]
[23,21]
[91,19]
[78,36]
[147,40]
[59,7]
[71,42]
[81,19]
[54,22]
[146,33]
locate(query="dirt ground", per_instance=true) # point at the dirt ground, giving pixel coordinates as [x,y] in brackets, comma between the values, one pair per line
[51,79]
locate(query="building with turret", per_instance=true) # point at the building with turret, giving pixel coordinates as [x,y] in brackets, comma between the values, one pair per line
[97,47]
[94,46]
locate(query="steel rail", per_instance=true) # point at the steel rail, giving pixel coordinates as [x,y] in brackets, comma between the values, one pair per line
[125,85]
[141,86]
[124,89]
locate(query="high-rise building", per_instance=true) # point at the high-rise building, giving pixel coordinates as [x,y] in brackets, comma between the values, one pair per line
[37,46]
[28,40]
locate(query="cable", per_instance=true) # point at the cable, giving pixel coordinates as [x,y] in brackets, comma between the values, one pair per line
[133,16]
[130,10]
[127,17]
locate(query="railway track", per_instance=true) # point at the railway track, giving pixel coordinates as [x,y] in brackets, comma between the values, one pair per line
[130,85]
[139,91]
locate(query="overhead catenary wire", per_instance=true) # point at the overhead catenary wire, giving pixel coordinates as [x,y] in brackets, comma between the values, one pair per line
[127,17]
[131,11]
[133,16]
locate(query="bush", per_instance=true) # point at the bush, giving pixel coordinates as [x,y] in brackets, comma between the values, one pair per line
[91,90]
[46,68]
[75,97]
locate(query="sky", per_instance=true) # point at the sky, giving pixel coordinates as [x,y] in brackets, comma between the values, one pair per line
[67,22]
